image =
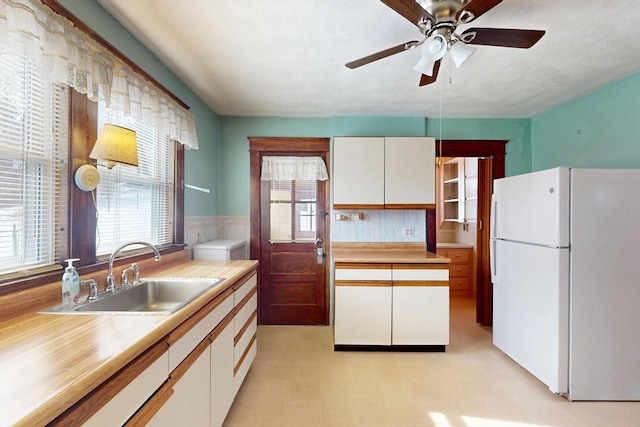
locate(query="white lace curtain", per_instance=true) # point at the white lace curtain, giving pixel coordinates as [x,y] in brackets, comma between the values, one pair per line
[67,55]
[285,168]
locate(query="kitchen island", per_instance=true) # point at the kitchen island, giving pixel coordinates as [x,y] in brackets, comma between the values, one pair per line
[390,296]
[62,368]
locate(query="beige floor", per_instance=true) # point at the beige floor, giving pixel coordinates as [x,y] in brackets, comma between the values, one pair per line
[298,380]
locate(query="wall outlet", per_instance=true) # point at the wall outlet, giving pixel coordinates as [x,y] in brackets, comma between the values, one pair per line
[409,231]
[341,217]
[357,216]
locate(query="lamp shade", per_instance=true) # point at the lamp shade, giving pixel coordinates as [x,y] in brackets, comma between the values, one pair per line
[434,47]
[424,66]
[114,145]
[460,52]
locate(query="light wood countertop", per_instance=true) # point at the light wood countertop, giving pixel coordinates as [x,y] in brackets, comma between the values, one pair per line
[50,361]
[400,253]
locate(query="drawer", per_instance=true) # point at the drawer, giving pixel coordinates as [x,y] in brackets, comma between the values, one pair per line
[181,348]
[244,313]
[459,283]
[118,410]
[422,274]
[244,341]
[243,290]
[240,371]
[459,270]
[458,255]
[351,274]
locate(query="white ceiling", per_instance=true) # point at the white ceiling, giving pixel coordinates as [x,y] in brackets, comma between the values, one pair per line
[286,57]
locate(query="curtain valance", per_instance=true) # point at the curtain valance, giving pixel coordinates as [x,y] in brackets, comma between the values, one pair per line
[286,168]
[67,55]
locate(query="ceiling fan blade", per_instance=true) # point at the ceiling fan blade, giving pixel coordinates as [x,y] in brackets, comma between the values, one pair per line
[427,80]
[411,10]
[504,37]
[479,7]
[382,54]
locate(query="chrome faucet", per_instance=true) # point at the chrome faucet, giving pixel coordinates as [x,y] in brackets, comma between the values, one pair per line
[111,280]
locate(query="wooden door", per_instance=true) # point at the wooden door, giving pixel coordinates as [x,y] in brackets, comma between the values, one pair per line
[484,299]
[293,284]
[292,257]
[495,150]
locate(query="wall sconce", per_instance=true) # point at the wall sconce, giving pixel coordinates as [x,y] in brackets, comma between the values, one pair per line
[114,145]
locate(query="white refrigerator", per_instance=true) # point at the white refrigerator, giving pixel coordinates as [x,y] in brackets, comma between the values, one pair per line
[565,266]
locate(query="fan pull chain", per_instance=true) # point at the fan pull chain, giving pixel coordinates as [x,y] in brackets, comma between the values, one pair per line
[440,94]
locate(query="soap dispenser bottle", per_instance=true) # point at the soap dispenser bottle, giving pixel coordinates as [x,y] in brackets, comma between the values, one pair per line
[70,284]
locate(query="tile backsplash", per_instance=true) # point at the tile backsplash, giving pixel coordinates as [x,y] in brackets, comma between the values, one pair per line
[199,229]
[389,225]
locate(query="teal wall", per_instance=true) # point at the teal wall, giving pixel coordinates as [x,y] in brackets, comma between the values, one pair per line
[234,145]
[600,129]
[516,131]
[234,153]
[201,166]
[377,126]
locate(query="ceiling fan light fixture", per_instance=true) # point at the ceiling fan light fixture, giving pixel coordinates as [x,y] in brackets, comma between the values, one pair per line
[460,52]
[434,47]
[424,66]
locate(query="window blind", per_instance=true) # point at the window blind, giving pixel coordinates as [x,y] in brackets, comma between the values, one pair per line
[33,168]
[136,203]
[293,210]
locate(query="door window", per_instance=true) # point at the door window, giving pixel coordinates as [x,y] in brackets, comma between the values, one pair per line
[293,210]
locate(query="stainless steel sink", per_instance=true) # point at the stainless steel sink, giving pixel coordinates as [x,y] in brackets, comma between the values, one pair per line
[151,296]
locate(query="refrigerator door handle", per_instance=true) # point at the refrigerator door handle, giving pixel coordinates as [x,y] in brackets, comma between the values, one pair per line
[492,239]
[493,261]
[493,216]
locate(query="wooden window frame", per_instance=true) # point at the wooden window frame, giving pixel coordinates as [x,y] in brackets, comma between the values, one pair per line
[82,134]
[82,212]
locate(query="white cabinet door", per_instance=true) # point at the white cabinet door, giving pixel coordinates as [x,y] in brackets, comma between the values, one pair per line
[221,375]
[420,305]
[362,315]
[180,349]
[358,171]
[118,410]
[410,171]
[420,315]
[190,399]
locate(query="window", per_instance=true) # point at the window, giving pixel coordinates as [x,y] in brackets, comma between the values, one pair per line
[33,167]
[46,128]
[293,210]
[136,203]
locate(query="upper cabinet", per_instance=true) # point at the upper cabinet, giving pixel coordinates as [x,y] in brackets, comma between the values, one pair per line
[383,173]
[459,189]
[358,173]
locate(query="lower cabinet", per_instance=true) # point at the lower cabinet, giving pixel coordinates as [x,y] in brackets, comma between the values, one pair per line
[192,383]
[191,395]
[127,401]
[382,305]
[245,327]
[363,313]
[222,384]
[460,270]
[203,393]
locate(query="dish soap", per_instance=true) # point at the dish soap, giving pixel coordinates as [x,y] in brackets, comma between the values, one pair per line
[70,285]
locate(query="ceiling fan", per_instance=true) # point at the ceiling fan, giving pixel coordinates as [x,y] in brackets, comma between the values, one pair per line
[437,20]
